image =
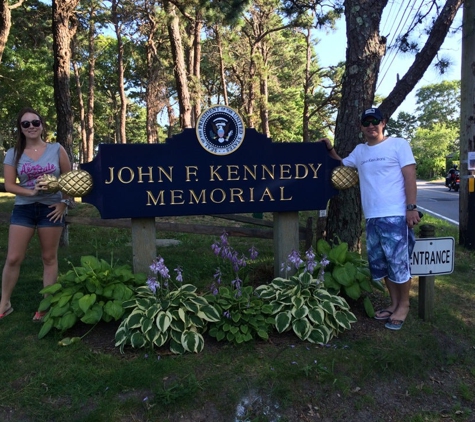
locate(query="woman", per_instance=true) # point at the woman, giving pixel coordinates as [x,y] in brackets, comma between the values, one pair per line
[34,208]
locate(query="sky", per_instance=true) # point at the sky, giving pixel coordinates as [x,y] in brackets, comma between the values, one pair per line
[332,48]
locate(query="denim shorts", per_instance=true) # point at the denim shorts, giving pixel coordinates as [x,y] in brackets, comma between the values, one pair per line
[33,215]
[390,243]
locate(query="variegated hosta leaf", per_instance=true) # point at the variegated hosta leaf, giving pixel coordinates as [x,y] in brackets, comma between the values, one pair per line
[161,339]
[343,320]
[153,310]
[176,347]
[316,336]
[282,321]
[120,335]
[209,313]
[192,341]
[146,324]
[316,315]
[301,327]
[137,340]
[328,307]
[300,312]
[134,319]
[298,301]
[163,321]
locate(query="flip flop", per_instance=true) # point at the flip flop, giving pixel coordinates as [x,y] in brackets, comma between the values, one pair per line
[382,318]
[6,313]
[38,317]
[394,324]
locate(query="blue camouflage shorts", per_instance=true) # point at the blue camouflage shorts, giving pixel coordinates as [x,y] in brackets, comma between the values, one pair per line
[389,243]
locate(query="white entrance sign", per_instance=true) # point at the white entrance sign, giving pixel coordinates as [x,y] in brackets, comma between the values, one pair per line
[433,256]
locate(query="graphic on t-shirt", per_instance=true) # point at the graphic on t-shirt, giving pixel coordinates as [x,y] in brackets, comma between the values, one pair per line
[33,171]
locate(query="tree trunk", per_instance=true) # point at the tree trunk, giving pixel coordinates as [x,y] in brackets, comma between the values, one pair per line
[120,75]
[221,65]
[63,32]
[179,68]
[363,57]
[197,66]
[306,88]
[89,153]
[83,145]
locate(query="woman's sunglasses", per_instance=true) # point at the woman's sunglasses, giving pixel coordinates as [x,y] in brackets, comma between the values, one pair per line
[374,122]
[26,124]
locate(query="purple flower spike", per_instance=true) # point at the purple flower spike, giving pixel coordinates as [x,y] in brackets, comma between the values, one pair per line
[153,284]
[253,253]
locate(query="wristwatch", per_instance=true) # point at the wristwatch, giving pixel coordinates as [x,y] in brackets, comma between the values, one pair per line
[68,202]
[411,207]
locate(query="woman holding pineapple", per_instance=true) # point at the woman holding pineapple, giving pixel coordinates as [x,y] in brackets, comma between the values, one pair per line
[35,207]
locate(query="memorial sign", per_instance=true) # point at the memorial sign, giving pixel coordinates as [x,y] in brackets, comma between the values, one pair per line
[218,168]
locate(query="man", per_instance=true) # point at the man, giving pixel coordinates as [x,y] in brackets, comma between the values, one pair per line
[387,174]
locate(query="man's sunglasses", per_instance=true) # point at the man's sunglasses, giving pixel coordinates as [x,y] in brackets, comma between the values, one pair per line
[374,122]
[26,124]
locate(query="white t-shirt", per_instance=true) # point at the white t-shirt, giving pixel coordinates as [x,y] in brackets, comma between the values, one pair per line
[381,180]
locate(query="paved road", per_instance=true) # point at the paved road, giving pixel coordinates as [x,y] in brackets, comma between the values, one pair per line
[434,198]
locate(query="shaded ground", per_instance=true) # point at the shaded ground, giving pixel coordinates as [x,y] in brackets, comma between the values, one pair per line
[394,402]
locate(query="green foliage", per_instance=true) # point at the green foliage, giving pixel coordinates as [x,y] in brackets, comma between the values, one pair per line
[439,104]
[244,316]
[302,304]
[430,148]
[175,316]
[89,293]
[347,273]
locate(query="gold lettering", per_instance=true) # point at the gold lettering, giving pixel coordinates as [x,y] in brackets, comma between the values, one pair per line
[223,196]
[169,176]
[201,198]
[236,192]
[176,197]
[297,175]
[268,193]
[251,173]
[265,169]
[315,170]
[233,171]
[111,172]
[191,171]
[282,198]
[213,172]
[131,175]
[285,171]
[150,174]
[251,194]
[150,197]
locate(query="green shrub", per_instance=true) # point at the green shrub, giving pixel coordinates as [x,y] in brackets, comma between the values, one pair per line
[159,314]
[244,316]
[347,273]
[89,293]
[302,304]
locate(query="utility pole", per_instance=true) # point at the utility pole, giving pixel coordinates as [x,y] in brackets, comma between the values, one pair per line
[467,129]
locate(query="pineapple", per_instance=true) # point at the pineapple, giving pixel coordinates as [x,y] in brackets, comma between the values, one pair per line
[72,183]
[344,177]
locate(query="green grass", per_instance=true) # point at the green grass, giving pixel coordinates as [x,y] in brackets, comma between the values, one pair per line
[425,372]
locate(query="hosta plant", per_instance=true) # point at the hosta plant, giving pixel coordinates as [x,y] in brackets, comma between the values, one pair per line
[166,313]
[347,273]
[91,292]
[244,316]
[302,304]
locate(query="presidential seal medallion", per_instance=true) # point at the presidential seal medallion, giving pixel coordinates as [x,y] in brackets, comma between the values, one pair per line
[220,130]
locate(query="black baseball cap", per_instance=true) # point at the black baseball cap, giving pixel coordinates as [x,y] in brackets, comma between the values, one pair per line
[372,112]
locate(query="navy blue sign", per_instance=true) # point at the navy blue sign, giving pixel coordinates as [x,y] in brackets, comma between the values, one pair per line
[228,172]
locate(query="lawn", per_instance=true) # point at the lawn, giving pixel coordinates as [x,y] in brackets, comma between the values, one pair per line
[425,372]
